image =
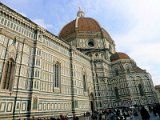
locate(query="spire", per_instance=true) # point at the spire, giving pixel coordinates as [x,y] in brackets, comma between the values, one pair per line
[80,13]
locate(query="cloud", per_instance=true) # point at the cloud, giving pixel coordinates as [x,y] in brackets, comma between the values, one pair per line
[133,25]
[147,57]
[141,41]
[43,24]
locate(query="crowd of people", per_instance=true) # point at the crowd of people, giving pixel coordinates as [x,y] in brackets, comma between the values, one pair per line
[123,113]
[126,113]
[112,114]
[145,113]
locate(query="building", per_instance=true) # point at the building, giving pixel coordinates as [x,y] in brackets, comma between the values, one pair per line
[157,88]
[78,71]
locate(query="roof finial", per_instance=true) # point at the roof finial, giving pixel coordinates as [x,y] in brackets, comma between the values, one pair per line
[80,13]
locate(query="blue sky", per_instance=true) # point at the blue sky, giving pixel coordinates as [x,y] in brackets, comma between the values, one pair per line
[134,25]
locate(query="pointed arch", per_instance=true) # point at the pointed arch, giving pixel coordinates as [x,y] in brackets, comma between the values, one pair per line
[116,92]
[57,75]
[84,83]
[140,86]
[116,72]
[141,91]
[100,104]
[35,103]
[127,68]
[91,98]
[8,75]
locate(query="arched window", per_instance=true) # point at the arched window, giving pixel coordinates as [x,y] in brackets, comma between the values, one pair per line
[127,67]
[8,74]
[128,70]
[116,92]
[116,72]
[1,70]
[141,89]
[84,83]
[35,103]
[57,76]
[110,48]
[100,104]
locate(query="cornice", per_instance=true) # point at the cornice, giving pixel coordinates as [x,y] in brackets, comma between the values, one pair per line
[13,14]
[13,35]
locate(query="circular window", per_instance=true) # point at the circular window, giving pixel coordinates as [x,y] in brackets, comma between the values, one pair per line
[90,43]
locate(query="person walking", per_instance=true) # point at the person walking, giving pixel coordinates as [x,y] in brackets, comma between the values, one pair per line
[158,109]
[144,113]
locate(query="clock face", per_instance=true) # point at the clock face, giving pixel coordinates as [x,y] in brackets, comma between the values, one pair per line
[90,43]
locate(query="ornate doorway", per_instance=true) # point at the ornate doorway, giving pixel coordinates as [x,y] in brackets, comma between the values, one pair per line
[91,99]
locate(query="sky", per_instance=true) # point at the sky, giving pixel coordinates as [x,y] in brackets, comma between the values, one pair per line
[134,25]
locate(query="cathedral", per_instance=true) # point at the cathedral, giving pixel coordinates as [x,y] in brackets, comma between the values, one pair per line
[78,71]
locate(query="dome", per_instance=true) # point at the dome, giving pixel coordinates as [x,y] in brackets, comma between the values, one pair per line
[119,55]
[84,24]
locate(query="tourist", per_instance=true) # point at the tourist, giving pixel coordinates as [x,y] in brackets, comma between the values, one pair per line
[144,113]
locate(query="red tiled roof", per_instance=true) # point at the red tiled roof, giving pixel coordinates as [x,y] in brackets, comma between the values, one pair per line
[119,55]
[84,24]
